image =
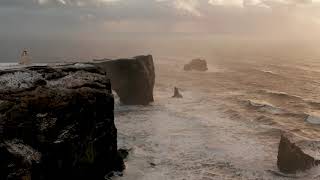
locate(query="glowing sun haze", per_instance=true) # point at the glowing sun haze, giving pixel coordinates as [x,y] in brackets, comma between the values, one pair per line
[25,21]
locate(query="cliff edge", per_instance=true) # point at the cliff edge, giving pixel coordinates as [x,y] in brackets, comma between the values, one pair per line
[57,123]
[133,79]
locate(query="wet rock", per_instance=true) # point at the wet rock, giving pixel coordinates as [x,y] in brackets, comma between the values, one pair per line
[197,65]
[113,174]
[152,164]
[132,79]
[57,123]
[23,157]
[177,93]
[123,153]
[296,154]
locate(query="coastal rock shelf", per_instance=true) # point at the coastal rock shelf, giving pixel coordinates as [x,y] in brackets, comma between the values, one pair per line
[57,123]
[132,79]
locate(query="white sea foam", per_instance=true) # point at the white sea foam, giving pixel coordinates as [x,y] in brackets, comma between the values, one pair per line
[210,135]
[313,118]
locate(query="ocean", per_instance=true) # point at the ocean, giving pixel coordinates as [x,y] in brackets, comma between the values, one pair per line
[228,124]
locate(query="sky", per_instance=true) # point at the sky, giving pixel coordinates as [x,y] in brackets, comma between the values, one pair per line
[96,28]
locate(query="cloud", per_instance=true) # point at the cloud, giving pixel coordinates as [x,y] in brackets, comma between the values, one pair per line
[30,3]
[80,3]
[198,8]
[111,21]
[188,6]
[212,16]
[238,3]
[193,7]
[263,3]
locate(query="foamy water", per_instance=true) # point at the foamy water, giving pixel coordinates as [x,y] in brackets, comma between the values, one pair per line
[227,126]
[4,66]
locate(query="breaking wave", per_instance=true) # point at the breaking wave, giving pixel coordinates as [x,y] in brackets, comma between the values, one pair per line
[279,94]
[313,118]
[264,106]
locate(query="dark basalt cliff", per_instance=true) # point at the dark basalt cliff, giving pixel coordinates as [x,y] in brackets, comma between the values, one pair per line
[132,79]
[57,123]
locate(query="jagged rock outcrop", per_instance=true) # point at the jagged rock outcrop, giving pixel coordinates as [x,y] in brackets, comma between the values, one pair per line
[176,93]
[296,154]
[197,65]
[132,79]
[57,123]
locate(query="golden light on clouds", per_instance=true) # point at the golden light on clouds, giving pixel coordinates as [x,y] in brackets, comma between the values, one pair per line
[236,17]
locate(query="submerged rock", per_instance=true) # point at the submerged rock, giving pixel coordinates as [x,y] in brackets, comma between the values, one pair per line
[132,79]
[57,123]
[123,153]
[197,65]
[177,93]
[296,154]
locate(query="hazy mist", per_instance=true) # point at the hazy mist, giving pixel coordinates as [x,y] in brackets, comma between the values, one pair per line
[76,29]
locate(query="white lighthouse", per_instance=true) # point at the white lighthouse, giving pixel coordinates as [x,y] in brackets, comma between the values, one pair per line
[25,58]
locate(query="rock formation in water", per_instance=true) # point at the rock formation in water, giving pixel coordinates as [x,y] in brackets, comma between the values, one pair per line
[197,65]
[177,93]
[295,154]
[132,79]
[57,123]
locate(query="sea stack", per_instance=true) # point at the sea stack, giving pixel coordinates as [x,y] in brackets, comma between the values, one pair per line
[132,79]
[196,65]
[176,93]
[296,154]
[57,123]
